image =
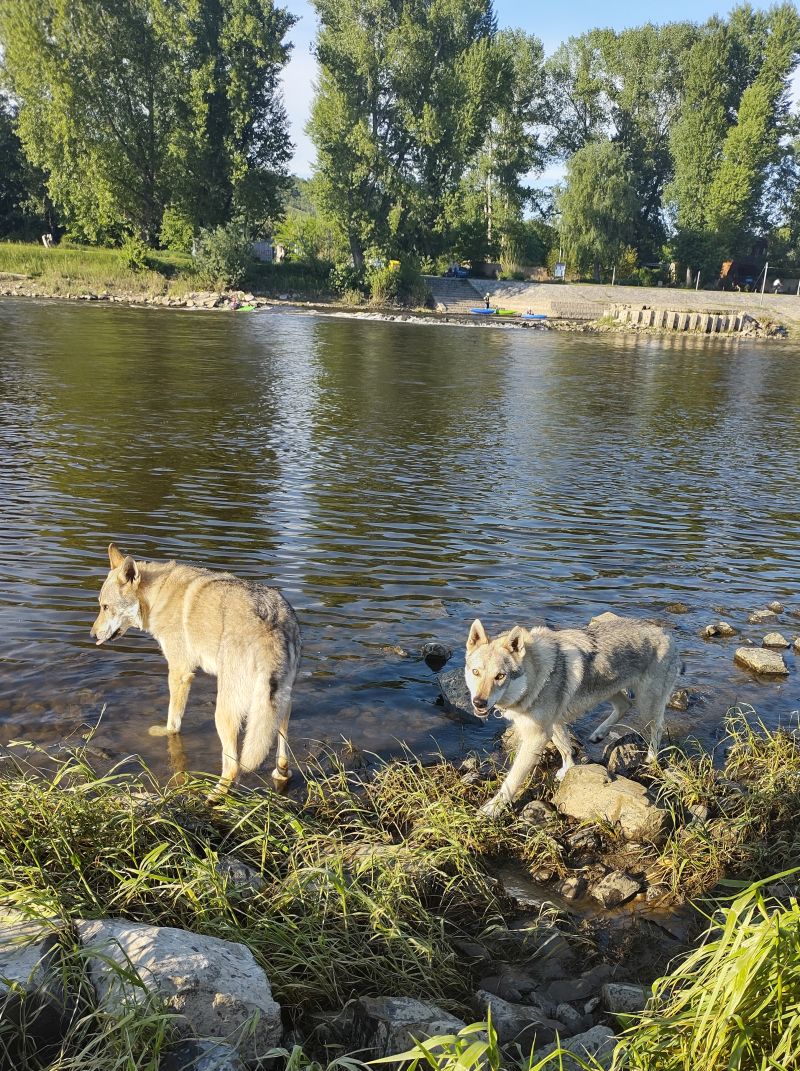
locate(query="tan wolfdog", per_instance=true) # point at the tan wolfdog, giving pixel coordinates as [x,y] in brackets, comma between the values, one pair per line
[244,634]
[541,679]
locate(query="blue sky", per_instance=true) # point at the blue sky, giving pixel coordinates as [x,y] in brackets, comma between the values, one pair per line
[552,23]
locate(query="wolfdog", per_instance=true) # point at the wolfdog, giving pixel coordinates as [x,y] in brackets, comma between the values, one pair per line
[540,679]
[244,634]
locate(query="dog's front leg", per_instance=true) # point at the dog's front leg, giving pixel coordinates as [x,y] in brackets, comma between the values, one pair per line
[180,681]
[530,753]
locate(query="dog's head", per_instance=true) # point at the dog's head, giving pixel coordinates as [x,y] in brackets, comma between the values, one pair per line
[120,608]
[494,671]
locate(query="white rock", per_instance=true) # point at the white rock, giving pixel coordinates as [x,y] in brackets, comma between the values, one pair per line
[519,1024]
[615,888]
[590,793]
[216,986]
[27,949]
[758,617]
[761,661]
[775,639]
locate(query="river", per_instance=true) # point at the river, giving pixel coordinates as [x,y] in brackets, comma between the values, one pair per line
[395,481]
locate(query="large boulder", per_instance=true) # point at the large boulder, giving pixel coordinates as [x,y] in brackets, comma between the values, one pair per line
[216,986]
[33,993]
[201,1055]
[386,1026]
[591,793]
[762,661]
[619,998]
[455,699]
[615,888]
[595,1045]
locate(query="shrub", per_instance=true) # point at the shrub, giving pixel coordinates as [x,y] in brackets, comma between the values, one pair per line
[343,277]
[177,231]
[224,256]
[135,254]
[398,284]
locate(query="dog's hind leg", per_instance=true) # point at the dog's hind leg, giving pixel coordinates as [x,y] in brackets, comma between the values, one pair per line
[282,774]
[228,718]
[620,704]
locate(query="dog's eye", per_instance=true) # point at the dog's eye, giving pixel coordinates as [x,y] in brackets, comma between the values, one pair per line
[476,673]
[500,677]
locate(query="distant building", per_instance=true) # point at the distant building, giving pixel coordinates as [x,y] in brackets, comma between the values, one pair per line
[268,252]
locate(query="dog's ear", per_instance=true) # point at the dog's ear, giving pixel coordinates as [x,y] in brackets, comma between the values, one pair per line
[115,556]
[477,635]
[515,641]
[129,571]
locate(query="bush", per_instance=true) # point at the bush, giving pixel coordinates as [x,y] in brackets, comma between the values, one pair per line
[177,231]
[343,277]
[135,254]
[224,256]
[398,284]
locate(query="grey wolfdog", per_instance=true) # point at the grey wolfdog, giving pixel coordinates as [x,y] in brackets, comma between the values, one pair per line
[541,679]
[244,634]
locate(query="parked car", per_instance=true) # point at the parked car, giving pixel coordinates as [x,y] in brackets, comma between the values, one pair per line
[456,271]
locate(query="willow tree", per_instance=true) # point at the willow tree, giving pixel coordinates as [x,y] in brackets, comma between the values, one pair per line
[135,106]
[598,206]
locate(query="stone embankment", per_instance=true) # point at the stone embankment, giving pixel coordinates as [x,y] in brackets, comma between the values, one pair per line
[702,323]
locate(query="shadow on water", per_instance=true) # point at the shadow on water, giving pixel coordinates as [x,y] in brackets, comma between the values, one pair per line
[394,481]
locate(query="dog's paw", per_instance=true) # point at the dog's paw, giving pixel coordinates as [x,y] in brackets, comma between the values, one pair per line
[281,778]
[161,730]
[492,808]
[562,773]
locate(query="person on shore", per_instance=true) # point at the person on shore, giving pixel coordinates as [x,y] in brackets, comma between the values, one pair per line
[487,299]
[776,287]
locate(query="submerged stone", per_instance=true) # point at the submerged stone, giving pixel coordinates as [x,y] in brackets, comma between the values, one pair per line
[761,661]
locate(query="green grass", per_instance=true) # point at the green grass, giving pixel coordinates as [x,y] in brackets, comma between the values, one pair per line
[734,1003]
[77,269]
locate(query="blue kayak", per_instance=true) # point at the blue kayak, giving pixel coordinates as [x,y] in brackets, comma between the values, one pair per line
[533,316]
[482,311]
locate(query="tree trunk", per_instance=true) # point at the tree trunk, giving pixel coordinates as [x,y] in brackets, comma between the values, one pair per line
[597,271]
[356,252]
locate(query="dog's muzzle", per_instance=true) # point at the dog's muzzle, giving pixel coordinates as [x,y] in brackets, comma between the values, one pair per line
[108,639]
[485,713]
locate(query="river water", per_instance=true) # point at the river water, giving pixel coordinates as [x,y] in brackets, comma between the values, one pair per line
[395,481]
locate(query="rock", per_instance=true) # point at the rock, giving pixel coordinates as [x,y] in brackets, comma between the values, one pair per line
[775,639]
[455,696]
[718,628]
[590,793]
[595,1045]
[567,990]
[516,1023]
[201,1055]
[583,842]
[618,998]
[796,643]
[435,655]
[537,812]
[574,1022]
[677,608]
[33,997]
[216,986]
[244,878]
[775,606]
[625,755]
[679,700]
[604,618]
[700,812]
[761,661]
[571,887]
[758,617]
[615,888]
[388,1025]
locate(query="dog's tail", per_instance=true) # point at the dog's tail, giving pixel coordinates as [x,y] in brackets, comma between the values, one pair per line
[262,725]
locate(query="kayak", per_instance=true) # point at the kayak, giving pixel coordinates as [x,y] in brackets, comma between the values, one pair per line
[507,312]
[483,312]
[244,308]
[534,316]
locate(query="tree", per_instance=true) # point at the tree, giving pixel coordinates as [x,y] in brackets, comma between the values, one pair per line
[133,106]
[401,108]
[598,206]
